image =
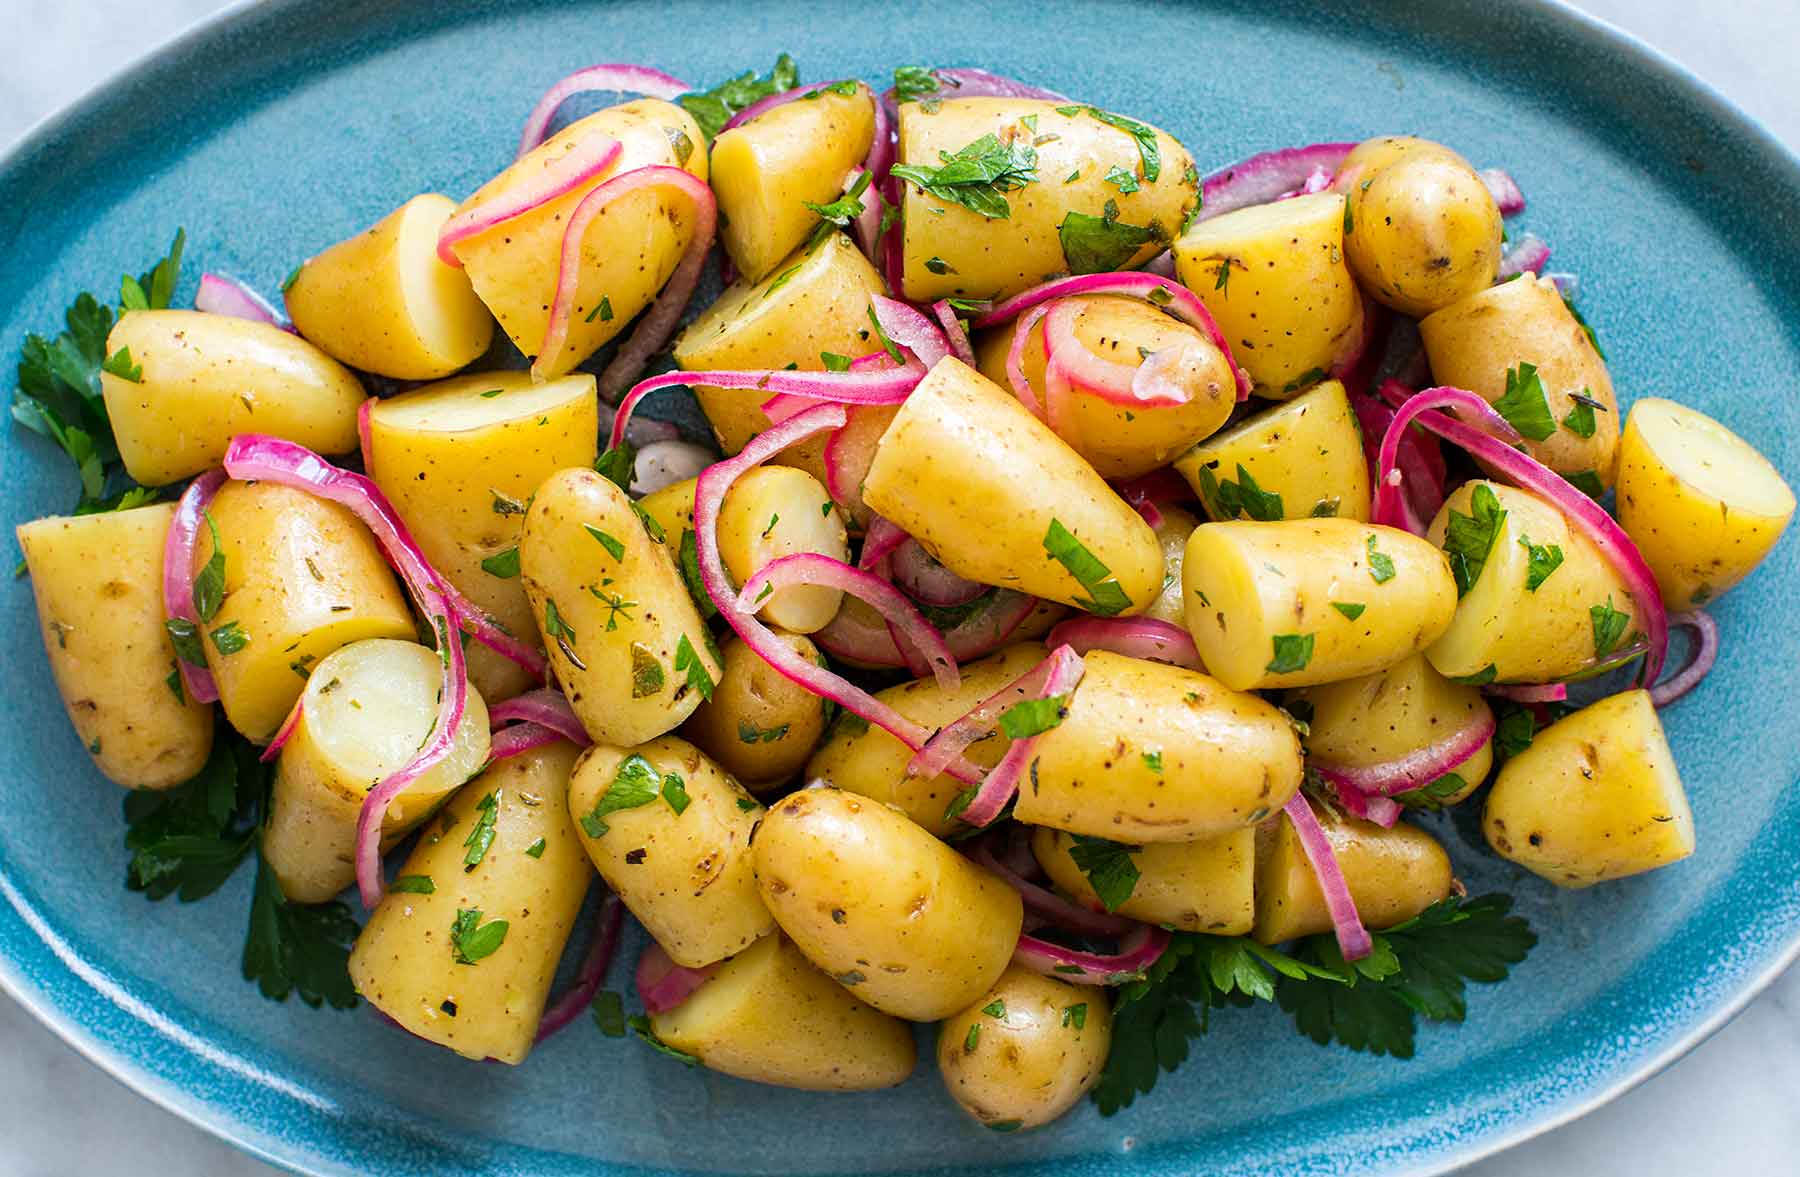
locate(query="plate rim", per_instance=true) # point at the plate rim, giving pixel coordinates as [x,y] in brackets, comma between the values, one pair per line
[211,1115]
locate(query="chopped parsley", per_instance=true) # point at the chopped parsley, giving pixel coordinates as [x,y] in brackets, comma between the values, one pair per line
[505,504]
[1381,565]
[414,885]
[559,631]
[535,850]
[1292,653]
[689,563]
[1109,868]
[646,672]
[1105,597]
[913,82]
[609,1013]
[636,783]
[1609,627]
[209,582]
[1581,420]
[1098,245]
[229,638]
[1350,609]
[1588,483]
[1149,153]
[616,465]
[1075,1015]
[1540,561]
[472,941]
[687,661]
[1033,717]
[749,733]
[1126,182]
[1524,403]
[1469,539]
[977,175]
[640,1025]
[613,547]
[713,108]
[504,564]
[1226,499]
[841,211]
[481,837]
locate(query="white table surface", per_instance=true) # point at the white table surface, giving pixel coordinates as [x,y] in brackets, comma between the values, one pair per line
[1731,1107]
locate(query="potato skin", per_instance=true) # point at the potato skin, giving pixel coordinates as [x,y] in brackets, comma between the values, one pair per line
[303,577]
[758,725]
[207,378]
[968,471]
[1251,584]
[455,459]
[1122,442]
[1308,450]
[404,961]
[385,302]
[1595,797]
[1027,1064]
[769,1016]
[1156,753]
[776,511]
[624,620]
[982,258]
[900,919]
[673,509]
[1702,505]
[686,876]
[862,758]
[98,584]
[1393,875]
[1173,534]
[1204,886]
[1474,341]
[767,169]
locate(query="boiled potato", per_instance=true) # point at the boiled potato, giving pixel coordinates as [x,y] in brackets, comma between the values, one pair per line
[766,170]
[1026,1051]
[1421,230]
[1155,753]
[385,302]
[888,911]
[302,577]
[759,725]
[411,961]
[1382,717]
[670,833]
[1484,342]
[202,379]
[996,497]
[1204,886]
[629,251]
[1393,875]
[622,633]
[1302,459]
[1276,282]
[776,511]
[368,709]
[1595,797]
[1081,174]
[1702,505]
[1122,441]
[460,461]
[1505,630]
[98,583]
[769,1016]
[1173,534]
[1311,600]
[862,758]
[673,509]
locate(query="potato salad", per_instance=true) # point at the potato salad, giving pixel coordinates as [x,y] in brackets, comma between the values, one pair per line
[932,552]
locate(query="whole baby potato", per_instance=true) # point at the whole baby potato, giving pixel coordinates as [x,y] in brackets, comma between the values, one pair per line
[1203,886]
[1025,1051]
[759,725]
[1393,875]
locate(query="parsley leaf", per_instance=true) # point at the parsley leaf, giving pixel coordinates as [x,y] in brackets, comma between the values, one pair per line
[296,948]
[1098,245]
[481,837]
[1106,598]
[913,82]
[688,661]
[1149,152]
[635,783]
[1381,565]
[1226,499]
[1581,420]
[188,840]
[1350,609]
[640,1025]
[977,175]
[504,564]
[843,210]
[473,941]
[1468,539]
[1109,868]
[1033,717]
[1292,653]
[713,108]
[1588,483]
[607,540]
[1524,403]
[1541,561]
[690,576]
[617,464]
[1609,627]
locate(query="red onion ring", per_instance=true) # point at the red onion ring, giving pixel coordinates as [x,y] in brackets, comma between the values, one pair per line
[219,295]
[1145,385]
[520,737]
[1015,358]
[547,707]
[770,101]
[925,580]
[883,538]
[1065,669]
[608,920]
[1547,692]
[1417,768]
[1134,637]
[587,157]
[1504,189]
[978,722]
[1064,913]
[1528,254]
[954,333]
[977,636]
[1373,807]
[909,328]
[622,78]
[893,244]
[1353,939]
[365,443]
[886,386]
[178,575]
[1705,652]
[1140,949]
[662,984]
[285,732]
[1264,177]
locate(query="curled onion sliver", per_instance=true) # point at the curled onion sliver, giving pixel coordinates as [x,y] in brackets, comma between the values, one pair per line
[1353,939]
[620,78]
[546,707]
[1134,637]
[178,575]
[1140,949]
[910,328]
[1383,811]
[883,538]
[520,737]
[1147,384]
[954,333]
[1700,658]
[1504,189]
[220,295]
[662,984]
[770,101]
[1264,177]
[979,722]
[1015,358]
[365,441]
[586,158]
[1064,913]
[1417,768]
[608,920]
[883,386]
[925,580]
[285,732]
[1544,692]
[1002,782]
[977,636]
[1528,253]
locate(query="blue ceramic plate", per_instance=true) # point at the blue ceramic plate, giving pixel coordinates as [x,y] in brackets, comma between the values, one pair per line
[283,127]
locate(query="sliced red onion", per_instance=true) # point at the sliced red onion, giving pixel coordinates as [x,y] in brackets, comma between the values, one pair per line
[893,243]
[662,984]
[1134,637]
[1162,265]
[520,737]
[623,78]
[1383,811]
[954,333]
[1527,254]
[219,295]
[1529,474]
[1015,358]
[887,386]
[1063,913]
[1161,485]
[1140,949]
[848,455]
[929,582]
[864,642]
[365,442]
[1265,177]
[664,463]
[285,732]
[1504,189]
[884,537]
[586,158]
[1417,768]
[608,919]
[1064,670]
[1149,384]
[1544,692]
[911,329]
[815,569]
[979,722]
[546,707]
[1419,457]
[865,227]
[769,102]
[178,575]
[980,83]
[1701,657]
[1353,939]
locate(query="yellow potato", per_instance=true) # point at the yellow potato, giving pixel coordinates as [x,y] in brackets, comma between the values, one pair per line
[670,833]
[460,460]
[1173,534]
[996,497]
[766,170]
[302,578]
[1595,797]
[953,251]
[1421,229]
[888,911]
[673,509]
[1506,631]
[1276,282]
[206,378]
[98,583]
[623,636]
[412,966]
[1311,600]
[776,511]
[1484,341]
[1025,1051]
[769,1016]
[630,248]
[385,302]
[1156,753]
[1120,441]
[1308,453]
[1393,875]
[1702,505]
[368,708]
[862,758]
[1205,886]
[759,725]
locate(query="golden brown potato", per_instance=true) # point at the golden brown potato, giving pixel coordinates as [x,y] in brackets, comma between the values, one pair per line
[1025,1051]
[1393,875]
[1206,886]
[1301,459]
[759,725]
